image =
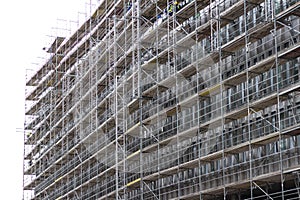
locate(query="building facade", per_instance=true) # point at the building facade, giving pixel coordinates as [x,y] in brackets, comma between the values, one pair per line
[160,99]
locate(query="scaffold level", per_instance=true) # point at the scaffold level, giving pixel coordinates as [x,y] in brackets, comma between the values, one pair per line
[181,99]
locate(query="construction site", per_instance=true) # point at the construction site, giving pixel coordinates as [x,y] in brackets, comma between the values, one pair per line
[161,99]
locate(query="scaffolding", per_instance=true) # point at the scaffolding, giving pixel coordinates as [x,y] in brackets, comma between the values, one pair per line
[169,99]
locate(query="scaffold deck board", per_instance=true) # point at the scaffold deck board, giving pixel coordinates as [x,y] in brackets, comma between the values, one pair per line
[292,10]
[263,102]
[233,12]
[291,52]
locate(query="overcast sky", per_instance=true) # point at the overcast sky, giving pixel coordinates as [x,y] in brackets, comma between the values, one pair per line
[25,28]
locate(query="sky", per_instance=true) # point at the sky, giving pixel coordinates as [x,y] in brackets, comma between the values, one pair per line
[26,27]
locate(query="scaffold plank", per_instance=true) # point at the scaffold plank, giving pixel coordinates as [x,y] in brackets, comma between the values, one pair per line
[291,52]
[212,156]
[264,102]
[55,45]
[292,10]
